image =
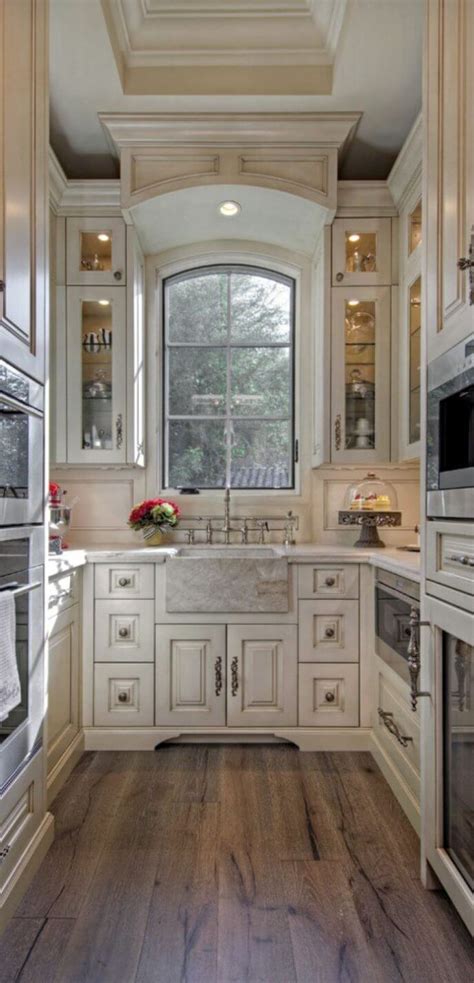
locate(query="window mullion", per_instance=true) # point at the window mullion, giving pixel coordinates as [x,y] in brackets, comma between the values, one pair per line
[228,386]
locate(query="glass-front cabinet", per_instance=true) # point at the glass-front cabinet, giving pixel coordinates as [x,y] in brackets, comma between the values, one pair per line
[361,253]
[414,328]
[410,328]
[360,380]
[96,367]
[95,251]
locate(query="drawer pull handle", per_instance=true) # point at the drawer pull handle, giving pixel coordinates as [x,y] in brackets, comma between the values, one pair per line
[389,723]
[413,653]
[124,581]
[329,632]
[218,675]
[234,676]
[124,697]
[330,581]
[329,696]
[124,632]
[59,596]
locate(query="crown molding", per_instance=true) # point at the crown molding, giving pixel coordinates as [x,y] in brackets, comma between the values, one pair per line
[364,198]
[318,130]
[70,197]
[406,171]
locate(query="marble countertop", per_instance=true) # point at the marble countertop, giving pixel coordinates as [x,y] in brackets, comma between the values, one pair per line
[397,561]
[69,560]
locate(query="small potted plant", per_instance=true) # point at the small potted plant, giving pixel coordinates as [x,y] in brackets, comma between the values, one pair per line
[153,517]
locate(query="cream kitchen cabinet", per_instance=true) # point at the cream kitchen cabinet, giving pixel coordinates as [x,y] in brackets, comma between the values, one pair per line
[262,675]
[190,675]
[23,185]
[449,177]
[63,696]
[360,375]
[95,251]
[361,252]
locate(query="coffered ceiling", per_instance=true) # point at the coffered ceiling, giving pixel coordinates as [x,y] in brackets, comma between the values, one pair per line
[234,56]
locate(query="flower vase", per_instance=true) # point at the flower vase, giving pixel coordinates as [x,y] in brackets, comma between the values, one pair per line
[155,539]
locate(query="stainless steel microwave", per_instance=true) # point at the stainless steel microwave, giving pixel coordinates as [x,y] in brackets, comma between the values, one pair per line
[450,434]
[21,448]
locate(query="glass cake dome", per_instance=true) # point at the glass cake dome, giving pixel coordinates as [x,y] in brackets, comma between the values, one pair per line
[371,495]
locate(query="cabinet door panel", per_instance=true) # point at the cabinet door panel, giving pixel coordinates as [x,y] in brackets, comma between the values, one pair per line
[261,675]
[190,670]
[361,254]
[124,631]
[23,206]
[95,251]
[63,683]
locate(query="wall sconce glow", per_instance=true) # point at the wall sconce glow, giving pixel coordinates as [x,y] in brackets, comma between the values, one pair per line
[354,237]
[229,208]
[104,303]
[353,302]
[103,237]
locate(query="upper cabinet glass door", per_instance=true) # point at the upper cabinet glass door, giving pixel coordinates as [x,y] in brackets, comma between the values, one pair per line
[361,375]
[414,228]
[96,251]
[414,362]
[361,251]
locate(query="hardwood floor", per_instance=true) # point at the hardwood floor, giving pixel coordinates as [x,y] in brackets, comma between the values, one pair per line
[212,864]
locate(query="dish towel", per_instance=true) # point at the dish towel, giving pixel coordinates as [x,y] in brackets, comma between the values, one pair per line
[10,689]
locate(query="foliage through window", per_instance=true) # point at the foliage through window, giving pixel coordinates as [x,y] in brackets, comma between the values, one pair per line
[228,374]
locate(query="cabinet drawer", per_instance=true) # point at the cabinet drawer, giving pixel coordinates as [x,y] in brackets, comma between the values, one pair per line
[328,581]
[123,695]
[328,695]
[329,631]
[124,631]
[450,555]
[405,754]
[123,580]
[63,592]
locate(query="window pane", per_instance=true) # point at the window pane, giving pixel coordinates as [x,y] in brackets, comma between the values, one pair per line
[196,309]
[197,453]
[261,381]
[197,381]
[261,454]
[260,309]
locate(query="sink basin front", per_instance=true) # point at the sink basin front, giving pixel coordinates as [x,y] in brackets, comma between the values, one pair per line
[226,580]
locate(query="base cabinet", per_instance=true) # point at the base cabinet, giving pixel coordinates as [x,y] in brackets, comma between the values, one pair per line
[63,684]
[190,672]
[123,695]
[261,676]
[329,695]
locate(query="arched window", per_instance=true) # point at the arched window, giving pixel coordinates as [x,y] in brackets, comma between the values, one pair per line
[229,378]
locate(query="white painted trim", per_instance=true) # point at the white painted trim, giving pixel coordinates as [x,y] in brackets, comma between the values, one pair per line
[307,738]
[64,766]
[407,167]
[79,197]
[364,199]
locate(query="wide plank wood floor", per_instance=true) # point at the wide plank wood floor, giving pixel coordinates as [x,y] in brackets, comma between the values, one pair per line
[212,864]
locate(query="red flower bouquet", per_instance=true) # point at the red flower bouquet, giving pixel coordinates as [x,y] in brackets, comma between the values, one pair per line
[154,515]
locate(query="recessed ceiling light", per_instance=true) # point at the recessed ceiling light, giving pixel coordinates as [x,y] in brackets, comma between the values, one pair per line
[229,208]
[104,303]
[354,237]
[103,237]
[353,302]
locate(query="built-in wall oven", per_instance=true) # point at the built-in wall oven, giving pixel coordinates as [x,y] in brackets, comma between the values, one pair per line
[397,624]
[22,573]
[450,434]
[21,448]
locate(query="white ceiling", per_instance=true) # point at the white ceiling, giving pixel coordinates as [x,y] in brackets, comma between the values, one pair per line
[184,217]
[377,71]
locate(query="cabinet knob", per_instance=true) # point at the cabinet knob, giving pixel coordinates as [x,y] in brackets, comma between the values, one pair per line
[330,581]
[124,581]
[339,277]
[329,633]
[124,632]
[118,275]
[329,696]
[123,696]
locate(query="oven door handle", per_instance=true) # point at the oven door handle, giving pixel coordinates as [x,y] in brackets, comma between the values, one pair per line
[15,404]
[19,590]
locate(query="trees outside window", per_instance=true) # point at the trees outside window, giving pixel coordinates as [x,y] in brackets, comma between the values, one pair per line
[229,378]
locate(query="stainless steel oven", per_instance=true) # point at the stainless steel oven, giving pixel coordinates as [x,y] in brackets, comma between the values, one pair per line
[22,572]
[397,613]
[21,448]
[450,434]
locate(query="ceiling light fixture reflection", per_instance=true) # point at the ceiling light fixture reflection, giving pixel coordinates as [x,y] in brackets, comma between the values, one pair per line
[103,237]
[104,303]
[353,302]
[354,237]
[229,208]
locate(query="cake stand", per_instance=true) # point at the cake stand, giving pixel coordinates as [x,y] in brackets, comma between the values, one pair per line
[369,520]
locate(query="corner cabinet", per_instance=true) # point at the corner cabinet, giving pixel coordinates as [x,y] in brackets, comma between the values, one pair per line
[99,344]
[23,185]
[449,178]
